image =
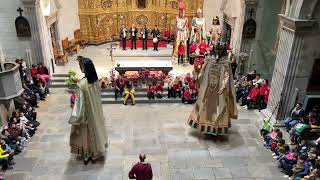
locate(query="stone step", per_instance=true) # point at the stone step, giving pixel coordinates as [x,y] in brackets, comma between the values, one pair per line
[138,94]
[60,75]
[140,100]
[60,79]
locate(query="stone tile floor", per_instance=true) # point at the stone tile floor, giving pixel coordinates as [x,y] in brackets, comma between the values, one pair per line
[159,130]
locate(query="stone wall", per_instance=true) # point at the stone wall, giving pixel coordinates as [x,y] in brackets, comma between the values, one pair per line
[263,46]
[13,47]
[68,18]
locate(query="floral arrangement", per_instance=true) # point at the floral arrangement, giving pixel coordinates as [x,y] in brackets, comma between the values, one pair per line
[73,79]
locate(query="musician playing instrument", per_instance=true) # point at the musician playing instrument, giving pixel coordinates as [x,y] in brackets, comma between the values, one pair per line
[155,35]
[144,37]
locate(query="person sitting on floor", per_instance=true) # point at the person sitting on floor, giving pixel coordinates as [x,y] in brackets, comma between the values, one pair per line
[177,88]
[266,127]
[159,90]
[298,130]
[170,90]
[302,168]
[5,159]
[252,97]
[118,87]
[294,117]
[129,92]
[187,97]
[150,92]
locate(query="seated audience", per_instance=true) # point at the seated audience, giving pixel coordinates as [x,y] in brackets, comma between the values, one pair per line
[177,88]
[266,127]
[302,168]
[150,93]
[118,87]
[252,75]
[296,114]
[34,71]
[298,130]
[159,90]
[252,97]
[262,93]
[187,97]
[171,91]
[6,158]
[129,92]
[257,80]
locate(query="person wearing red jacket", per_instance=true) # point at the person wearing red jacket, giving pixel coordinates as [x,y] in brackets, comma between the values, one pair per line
[187,97]
[159,90]
[34,71]
[141,170]
[181,53]
[253,95]
[176,87]
[166,35]
[150,92]
[203,47]
[262,92]
[192,49]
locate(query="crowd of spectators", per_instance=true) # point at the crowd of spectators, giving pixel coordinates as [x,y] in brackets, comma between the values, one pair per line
[253,91]
[23,122]
[300,158]
[183,88]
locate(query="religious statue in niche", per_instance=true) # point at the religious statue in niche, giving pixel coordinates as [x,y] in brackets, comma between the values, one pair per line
[141,4]
[249,28]
[22,25]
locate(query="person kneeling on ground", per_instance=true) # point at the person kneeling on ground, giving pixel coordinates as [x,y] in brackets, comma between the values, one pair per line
[129,92]
[187,97]
[159,91]
[150,92]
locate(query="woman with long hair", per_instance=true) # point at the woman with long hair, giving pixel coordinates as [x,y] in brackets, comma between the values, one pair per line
[88,137]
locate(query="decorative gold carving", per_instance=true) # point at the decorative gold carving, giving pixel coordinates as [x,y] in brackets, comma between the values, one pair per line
[142,20]
[105,4]
[100,20]
[174,4]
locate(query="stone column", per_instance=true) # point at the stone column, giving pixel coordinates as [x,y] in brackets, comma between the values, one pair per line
[30,13]
[283,88]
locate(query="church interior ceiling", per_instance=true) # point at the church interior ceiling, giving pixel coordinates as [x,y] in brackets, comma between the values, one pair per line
[100,20]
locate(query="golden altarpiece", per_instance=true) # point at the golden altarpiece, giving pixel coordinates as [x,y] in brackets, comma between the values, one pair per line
[100,20]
